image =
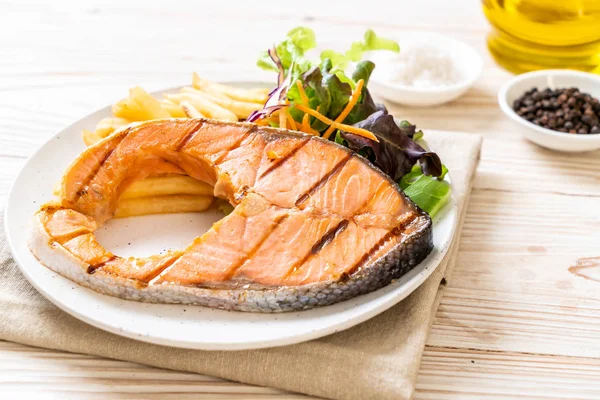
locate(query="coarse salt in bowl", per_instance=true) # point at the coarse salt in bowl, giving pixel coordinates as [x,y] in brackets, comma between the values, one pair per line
[430,69]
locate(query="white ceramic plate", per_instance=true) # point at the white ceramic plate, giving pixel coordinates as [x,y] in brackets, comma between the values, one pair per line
[179,325]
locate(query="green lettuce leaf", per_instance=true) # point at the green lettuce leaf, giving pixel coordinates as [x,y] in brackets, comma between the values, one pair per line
[291,50]
[303,38]
[371,42]
[363,70]
[264,61]
[335,58]
[339,92]
[428,192]
[374,42]
[324,90]
[326,85]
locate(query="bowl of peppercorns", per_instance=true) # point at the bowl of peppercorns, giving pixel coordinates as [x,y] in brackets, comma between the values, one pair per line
[556,109]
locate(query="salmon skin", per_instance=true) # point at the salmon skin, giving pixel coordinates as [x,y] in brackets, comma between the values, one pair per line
[314,223]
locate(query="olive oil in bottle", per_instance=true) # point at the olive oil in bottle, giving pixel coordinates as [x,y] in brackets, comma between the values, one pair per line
[539,34]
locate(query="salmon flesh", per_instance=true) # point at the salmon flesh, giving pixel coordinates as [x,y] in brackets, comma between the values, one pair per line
[313,224]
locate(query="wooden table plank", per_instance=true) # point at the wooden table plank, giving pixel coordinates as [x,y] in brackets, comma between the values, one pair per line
[445,374]
[59,373]
[485,375]
[9,168]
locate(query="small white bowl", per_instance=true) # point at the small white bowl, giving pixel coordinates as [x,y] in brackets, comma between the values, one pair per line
[467,61]
[567,142]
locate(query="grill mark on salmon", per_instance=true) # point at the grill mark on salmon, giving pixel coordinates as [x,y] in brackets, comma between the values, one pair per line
[235,146]
[329,236]
[236,267]
[188,137]
[64,224]
[253,251]
[93,268]
[167,161]
[82,191]
[366,206]
[66,238]
[322,226]
[394,232]
[279,162]
[322,181]
[318,246]
[159,271]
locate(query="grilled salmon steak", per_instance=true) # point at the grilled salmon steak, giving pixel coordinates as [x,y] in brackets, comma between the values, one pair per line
[313,224]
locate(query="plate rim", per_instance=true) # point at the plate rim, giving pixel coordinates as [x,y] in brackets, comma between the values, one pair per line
[407,289]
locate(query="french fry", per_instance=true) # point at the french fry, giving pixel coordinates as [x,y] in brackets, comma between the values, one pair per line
[206,107]
[162,205]
[191,89]
[248,95]
[139,106]
[128,110]
[167,185]
[242,109]
[190,110]
[148,103]
[89,137]
[174,109]
[106,126]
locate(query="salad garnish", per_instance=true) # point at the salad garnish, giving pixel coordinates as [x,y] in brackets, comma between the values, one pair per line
[318,97]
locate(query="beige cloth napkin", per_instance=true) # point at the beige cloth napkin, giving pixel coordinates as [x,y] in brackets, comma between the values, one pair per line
[378,359]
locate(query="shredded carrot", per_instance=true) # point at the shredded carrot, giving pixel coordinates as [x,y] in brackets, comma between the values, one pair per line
[303,95]
[290,119]
[347,128]
[282,120]
[284,117]
[262,122]
[274,118]
[306,126]
[351,103]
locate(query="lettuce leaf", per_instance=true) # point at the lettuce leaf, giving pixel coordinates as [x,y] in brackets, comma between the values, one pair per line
[429,193]
[324,90]
[339,91]
[370,42]
[291,50]
[395,153]
[327,85]
[363,70]
[374,42]
[365,106]
[301,39]
[336,58]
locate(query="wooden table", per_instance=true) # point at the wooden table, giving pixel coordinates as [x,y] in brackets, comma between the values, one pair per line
[514,323]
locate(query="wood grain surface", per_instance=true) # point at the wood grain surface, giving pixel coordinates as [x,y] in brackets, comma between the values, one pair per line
[514,322]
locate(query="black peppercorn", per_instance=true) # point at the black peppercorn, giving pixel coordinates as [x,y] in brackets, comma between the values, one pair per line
[563,110]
